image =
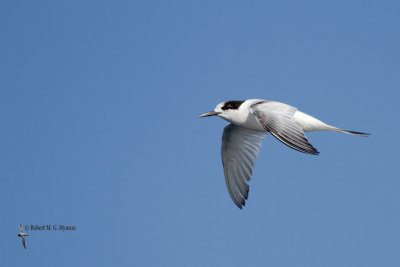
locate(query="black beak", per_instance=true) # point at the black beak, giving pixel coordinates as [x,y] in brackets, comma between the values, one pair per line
[207,114]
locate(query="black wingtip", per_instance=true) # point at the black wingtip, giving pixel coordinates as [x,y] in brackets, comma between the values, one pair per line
[315,152]
[311,150]
[241,204]
[246,195]
[357,133]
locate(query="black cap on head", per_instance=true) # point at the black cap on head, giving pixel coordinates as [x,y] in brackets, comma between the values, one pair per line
[232,105]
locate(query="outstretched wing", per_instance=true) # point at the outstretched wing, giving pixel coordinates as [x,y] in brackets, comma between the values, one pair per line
[277,118]
[239,150]
[23,242]
[21,229]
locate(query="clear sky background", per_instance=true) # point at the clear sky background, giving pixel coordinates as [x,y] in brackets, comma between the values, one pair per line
[98,106]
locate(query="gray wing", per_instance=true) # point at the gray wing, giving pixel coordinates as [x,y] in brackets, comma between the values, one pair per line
[21,229]
[239,150]
[23,242]
[277,118]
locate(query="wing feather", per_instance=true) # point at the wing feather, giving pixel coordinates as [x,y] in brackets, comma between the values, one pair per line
[239,151]
[277,118]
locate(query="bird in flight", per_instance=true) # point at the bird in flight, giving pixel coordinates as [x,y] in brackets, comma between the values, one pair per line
[23,235]
[250,121]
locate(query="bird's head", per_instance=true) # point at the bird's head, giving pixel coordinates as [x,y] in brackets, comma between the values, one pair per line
[224,110]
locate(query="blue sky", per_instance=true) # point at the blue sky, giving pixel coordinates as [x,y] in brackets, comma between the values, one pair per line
[98,106]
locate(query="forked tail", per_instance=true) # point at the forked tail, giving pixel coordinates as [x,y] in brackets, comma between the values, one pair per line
[352,132]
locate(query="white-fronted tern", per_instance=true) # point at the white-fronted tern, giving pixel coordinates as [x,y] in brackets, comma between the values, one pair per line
[250,121]
[23,235]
